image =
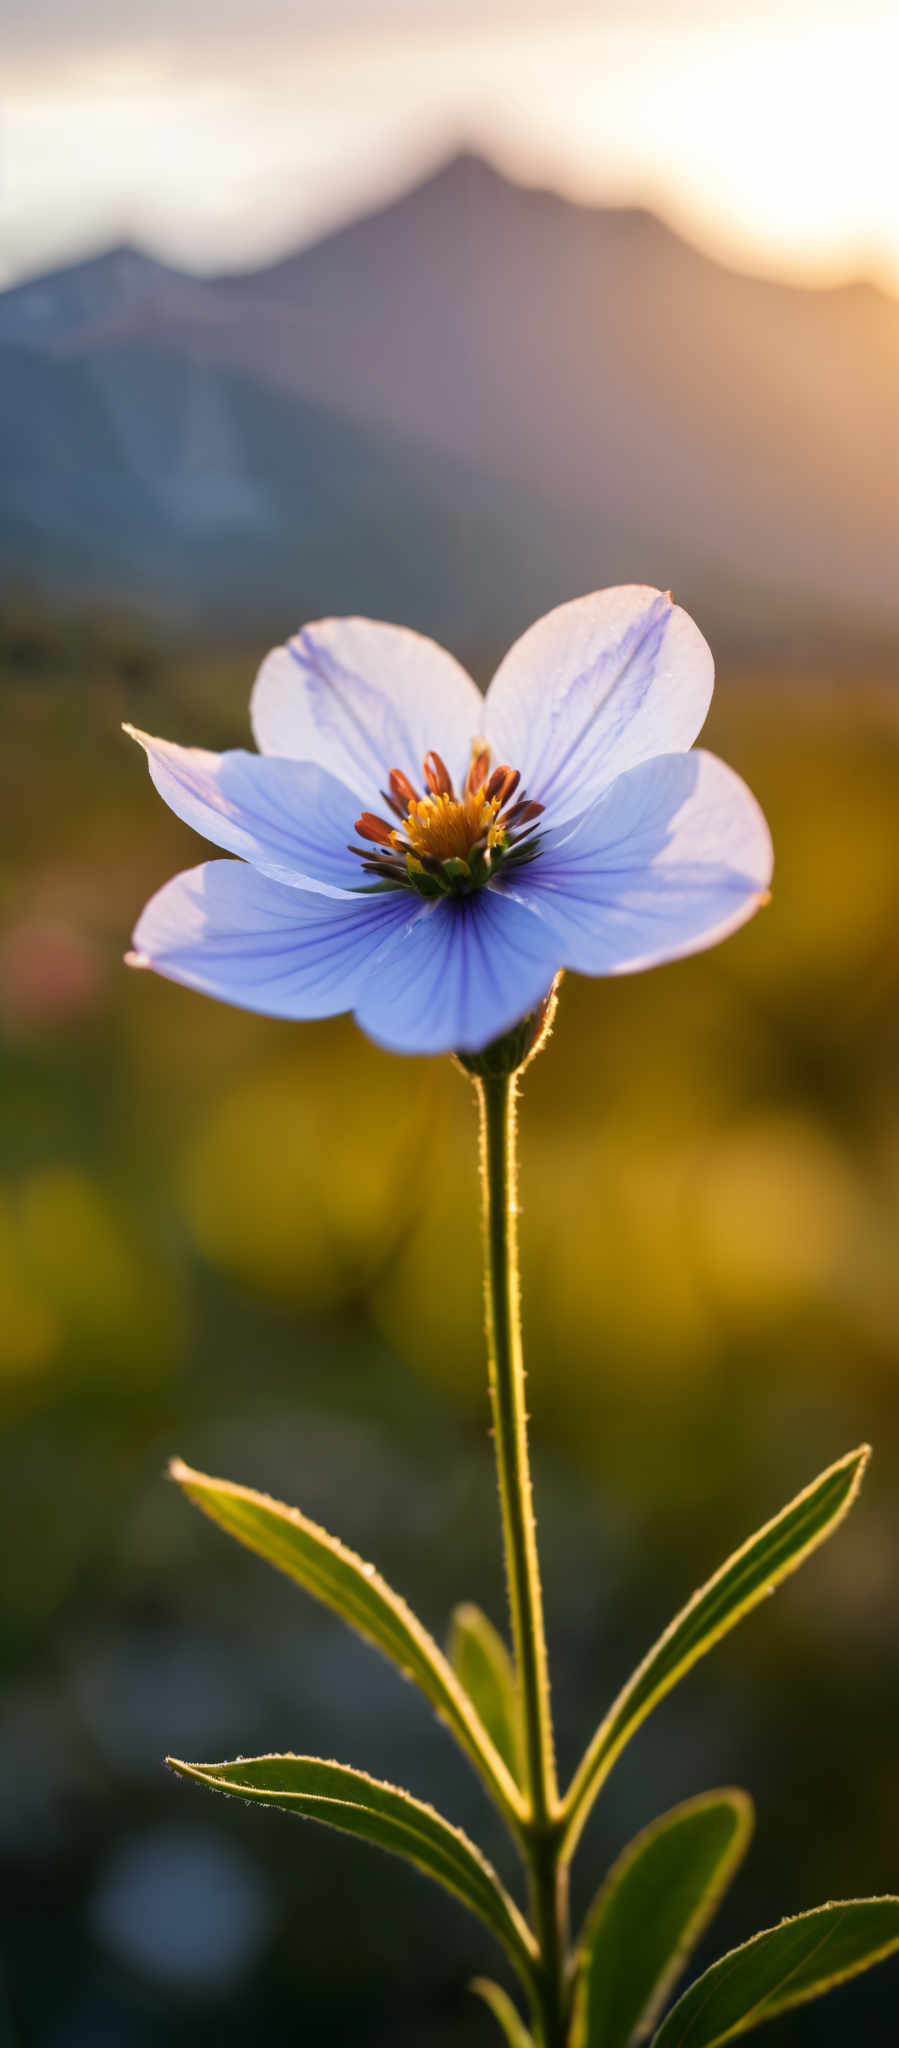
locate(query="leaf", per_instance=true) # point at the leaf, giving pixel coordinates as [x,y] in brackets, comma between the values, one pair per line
[484,1667]
[655,1903]
[785,1966]
[751,1573]
[335,1575]
[504,2011]
[359,1805]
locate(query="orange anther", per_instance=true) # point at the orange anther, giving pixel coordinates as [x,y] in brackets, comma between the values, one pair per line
[401,788]
[503,782]
[477,772]
[437,775]
[369,826]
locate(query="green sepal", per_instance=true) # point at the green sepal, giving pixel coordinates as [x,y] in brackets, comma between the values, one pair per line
[335,1575]
[503,2010]
[752,1572]
[655,1904]
[514,1051]
[484,1667]
[383,1814]
[785,1966]
[425,884]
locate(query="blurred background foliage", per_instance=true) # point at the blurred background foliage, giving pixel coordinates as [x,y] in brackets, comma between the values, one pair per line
[257,1245]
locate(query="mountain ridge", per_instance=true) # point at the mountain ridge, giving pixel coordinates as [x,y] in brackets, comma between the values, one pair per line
[447,170]
[613,402]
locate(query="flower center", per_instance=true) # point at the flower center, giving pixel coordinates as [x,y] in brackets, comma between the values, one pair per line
[446,844]
[448,828]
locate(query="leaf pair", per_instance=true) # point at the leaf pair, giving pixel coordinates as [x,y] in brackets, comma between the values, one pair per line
[657,1902]
[355,1590]
[348,1799]
[652,1910]
[490,1732]
[661,1893]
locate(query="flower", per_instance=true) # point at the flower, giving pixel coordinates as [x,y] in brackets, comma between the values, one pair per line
[430,858]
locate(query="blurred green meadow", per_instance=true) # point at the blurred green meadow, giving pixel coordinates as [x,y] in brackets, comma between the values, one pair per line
[256,1244]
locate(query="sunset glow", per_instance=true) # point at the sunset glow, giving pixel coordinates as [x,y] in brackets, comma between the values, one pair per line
[771,140]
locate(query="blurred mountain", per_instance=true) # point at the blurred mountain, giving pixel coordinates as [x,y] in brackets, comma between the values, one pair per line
[457,411]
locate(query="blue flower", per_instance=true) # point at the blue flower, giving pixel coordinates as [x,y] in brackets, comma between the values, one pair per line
[430,858]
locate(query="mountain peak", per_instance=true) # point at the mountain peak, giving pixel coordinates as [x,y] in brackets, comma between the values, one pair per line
[618,405]
[55,309]
[464,166]
[117,258]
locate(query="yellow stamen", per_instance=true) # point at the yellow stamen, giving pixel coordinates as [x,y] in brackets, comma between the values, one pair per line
[447,828]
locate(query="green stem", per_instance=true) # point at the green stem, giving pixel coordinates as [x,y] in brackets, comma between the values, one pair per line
[542,1829]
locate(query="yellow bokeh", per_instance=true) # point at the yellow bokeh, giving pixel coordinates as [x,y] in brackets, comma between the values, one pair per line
[610,1286]
[82,1264]
[781,1216]
[29,1331]
[301,1179]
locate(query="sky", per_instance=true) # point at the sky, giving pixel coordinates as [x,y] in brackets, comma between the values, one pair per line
[218,133]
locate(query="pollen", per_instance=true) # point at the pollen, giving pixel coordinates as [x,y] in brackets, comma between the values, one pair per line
[448,828]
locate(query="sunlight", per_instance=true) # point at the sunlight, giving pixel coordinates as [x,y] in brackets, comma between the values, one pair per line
[772,144]
[774,147]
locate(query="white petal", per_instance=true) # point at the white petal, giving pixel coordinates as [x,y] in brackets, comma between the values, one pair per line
[672,858]
[361,697]
[233,933]
[595,687]
[290,819]
[459,976]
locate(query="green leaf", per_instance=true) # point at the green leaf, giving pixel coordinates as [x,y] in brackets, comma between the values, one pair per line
[785,1966]
[655,1903]
[484,1667]
[383,1814]
[504,2011]
[741,1583]
[335,1575]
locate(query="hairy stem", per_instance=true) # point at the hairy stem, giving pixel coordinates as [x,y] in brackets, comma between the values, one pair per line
[542,1830]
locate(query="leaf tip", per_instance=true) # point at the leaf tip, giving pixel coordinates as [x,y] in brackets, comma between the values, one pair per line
[743,1805]
[203,1774]
[466,1615]
[857,1462]
[503,2010]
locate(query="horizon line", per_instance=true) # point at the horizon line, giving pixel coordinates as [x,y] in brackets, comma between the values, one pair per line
[785,275]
